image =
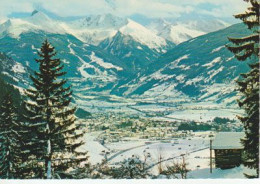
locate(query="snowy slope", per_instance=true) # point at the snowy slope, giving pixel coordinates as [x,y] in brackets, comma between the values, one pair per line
[13,72]
[38,21]
[94,29]
[201,68]
[142,35]
[136,46]
[178,31]
[129,61]
[87,66]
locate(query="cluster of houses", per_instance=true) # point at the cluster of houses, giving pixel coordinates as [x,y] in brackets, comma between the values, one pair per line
[227,146]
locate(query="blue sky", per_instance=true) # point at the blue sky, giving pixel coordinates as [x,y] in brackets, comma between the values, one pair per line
[150,8]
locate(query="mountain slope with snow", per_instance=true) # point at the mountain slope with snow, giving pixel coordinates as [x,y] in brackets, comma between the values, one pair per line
[129,60]
[178,31]
[89,68]
[202,69]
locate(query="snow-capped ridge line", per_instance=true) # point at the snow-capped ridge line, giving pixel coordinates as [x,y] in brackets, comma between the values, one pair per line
[91,29]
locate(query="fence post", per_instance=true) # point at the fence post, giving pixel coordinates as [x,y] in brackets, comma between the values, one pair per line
[210,155]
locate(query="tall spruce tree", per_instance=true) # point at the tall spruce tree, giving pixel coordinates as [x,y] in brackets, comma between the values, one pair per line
[54,136]
[9,140]
[247,48]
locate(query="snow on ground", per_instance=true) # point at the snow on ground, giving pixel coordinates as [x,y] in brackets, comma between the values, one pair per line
[164,90]
[93,147]
[218,49]
[234,173]
[122,145]
[180,78]
[214,61]
[152,108]
[83,67]
[103,64]
[199,159]
[181,33]
[18,68]
[211,93]
[98,74]
[174,148]
[212,73]
[71,50]
[176,62]
[194,80]
[195,149]
[159,76]
[203,115]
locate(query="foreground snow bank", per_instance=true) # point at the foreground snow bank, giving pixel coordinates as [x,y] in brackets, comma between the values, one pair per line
[237,172]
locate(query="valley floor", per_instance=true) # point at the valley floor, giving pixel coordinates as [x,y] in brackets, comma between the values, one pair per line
[193,148]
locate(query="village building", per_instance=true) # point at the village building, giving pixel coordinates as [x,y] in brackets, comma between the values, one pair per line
[228,149]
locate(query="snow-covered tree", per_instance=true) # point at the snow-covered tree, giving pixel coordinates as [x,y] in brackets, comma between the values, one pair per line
[9,140]
[54,136]
[131,168]
[176,170]
[247,48]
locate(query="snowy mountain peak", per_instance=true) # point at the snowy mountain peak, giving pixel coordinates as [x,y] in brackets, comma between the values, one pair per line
[14,27]
[38,21]
[178,31]
[160,21]
[142,35]
[174,32]
[34,12]
[100,21]
[96,28]
[38,18]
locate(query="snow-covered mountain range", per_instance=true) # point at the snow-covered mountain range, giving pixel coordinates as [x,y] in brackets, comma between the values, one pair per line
[109,55]
[91,29]
[96,28]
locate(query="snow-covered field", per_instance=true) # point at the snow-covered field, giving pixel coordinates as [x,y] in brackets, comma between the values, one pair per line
[194,149]
[169,111]
[93,147]
[234,173]
[203,115]
[174,148]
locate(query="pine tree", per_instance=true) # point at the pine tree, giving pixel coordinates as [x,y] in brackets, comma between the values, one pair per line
[247,48]
[54,136]
[9,140]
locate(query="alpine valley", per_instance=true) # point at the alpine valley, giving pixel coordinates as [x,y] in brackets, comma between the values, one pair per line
[116,64]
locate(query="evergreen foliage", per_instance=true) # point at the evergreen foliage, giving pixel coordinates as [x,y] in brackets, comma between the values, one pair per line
[54,136]
[248,48]
[10,140]
[195,127]
[9,89]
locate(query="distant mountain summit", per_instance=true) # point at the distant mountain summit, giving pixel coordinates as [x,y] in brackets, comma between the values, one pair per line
[34,12]
[178,31]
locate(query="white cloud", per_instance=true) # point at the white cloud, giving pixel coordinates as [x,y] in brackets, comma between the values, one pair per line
[9,6]
[151,8]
